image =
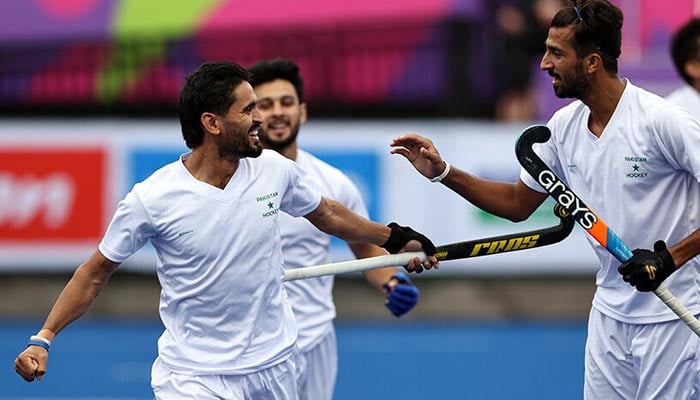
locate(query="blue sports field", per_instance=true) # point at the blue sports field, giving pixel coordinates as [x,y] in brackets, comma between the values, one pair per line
[111,359]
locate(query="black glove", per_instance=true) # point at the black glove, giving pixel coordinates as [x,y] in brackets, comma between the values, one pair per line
[400,235]
[646,269]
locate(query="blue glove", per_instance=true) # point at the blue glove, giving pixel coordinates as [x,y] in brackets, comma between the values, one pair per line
[403,297]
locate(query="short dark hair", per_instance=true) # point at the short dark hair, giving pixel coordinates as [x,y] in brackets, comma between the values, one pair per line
[279,68]
[685,46]
[208,89]
[597,27]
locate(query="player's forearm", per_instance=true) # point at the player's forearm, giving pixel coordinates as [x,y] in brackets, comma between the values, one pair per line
[375,277]
[379,277]
[335,219]
[498,198]
[77,296]
[686,248]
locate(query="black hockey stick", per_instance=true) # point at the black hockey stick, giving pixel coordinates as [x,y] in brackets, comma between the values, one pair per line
[585,217]
[453,251]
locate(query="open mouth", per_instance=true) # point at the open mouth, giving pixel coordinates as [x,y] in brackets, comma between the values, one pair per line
[555,78]
[277,128]
[277,125]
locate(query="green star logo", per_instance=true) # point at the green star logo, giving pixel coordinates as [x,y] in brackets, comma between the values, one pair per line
[270,205]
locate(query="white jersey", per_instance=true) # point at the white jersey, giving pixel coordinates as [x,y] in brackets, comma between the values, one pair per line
[688,98]
[303,246]
[219,261]
[642,177]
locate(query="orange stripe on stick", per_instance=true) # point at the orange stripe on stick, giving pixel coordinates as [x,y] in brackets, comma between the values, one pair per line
[599,231]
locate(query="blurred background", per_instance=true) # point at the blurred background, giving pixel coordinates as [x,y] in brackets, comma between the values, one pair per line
[87,96]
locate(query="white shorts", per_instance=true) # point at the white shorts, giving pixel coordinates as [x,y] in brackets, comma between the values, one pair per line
[318,369]
[278,382]
[640,361]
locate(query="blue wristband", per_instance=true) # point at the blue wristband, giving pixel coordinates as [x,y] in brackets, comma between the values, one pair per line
[36,340]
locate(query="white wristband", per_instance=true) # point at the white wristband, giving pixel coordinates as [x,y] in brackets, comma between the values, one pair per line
[444,173]
[41,339]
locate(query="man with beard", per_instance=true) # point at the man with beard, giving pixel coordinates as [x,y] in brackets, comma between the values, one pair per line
[212,217]
[280,91]
[634,158]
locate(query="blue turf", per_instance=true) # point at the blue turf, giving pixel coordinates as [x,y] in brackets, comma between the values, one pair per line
[403,360]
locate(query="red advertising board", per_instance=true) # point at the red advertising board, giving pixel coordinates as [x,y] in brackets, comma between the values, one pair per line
[51,194]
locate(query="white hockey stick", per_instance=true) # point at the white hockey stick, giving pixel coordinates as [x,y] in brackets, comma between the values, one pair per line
[453,251]
[346,267]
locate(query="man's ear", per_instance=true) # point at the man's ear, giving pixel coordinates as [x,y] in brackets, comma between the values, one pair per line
[592,63]
[211,123]
[302,112]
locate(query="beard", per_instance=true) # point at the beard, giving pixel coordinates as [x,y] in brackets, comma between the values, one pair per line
[281,144]
[237,142]
[576,87]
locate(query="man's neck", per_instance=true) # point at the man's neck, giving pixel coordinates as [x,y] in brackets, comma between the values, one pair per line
[290,151]
[602,101]
[696,85]
[208,166]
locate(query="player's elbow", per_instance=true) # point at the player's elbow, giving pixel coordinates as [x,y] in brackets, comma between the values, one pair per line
[324,217]
[518,215]
[516,218]
[523,203]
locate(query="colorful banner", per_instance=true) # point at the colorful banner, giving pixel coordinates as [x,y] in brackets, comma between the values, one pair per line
[130,52]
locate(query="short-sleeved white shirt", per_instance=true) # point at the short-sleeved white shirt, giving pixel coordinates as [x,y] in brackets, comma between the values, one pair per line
[642,177]
[688,98]
[303,245]
[219,261]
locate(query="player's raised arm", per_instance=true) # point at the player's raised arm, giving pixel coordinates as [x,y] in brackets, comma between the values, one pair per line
[511,200]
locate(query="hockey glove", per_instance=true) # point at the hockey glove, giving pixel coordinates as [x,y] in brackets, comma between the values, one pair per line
[403,297]
[400,235]
[646,269]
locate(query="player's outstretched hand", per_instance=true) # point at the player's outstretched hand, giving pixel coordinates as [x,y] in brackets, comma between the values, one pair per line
[403,238]
[646,269]
[31,363]
[420,152]
[401,294]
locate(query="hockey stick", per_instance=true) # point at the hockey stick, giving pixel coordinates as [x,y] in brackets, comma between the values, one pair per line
[585,217]
[453,251]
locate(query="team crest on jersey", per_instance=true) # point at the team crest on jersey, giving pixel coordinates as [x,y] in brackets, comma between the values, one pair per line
[636,167]
[267,202]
